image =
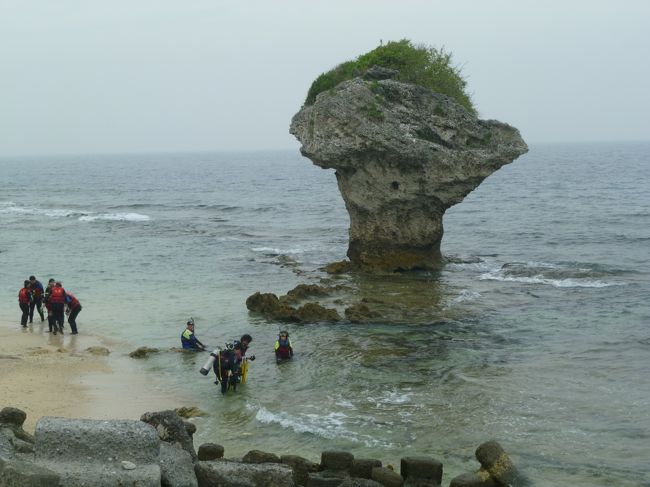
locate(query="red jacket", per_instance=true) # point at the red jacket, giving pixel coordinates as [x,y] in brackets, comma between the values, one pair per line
[72,301]
[23,296]
[57,295]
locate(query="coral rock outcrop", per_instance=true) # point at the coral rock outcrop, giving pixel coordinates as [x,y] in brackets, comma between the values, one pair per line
[403,155]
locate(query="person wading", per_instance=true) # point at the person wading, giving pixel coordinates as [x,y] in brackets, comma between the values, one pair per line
[37,298]
[189,340]
[24,301]
[283,347]
[57,301]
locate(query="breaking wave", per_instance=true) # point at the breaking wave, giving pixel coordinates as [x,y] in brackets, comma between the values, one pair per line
[330,425]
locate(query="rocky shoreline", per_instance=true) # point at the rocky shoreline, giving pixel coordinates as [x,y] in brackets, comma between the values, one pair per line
[158,450]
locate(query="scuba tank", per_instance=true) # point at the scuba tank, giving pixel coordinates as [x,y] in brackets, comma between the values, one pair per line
[205,370]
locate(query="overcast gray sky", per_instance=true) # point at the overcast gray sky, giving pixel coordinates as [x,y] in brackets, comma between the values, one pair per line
[80,76]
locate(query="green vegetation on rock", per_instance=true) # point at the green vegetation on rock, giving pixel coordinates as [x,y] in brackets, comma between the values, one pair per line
[419,65]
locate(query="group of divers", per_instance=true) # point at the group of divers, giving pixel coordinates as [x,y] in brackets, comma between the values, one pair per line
[230,364]
[57,302]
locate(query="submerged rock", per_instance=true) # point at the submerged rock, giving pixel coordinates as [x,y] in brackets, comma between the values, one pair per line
[360,313]
[302,291]
[314,312]
[143,352]
[340,267]
[189,412]
[403,155]
[274,308]
[103,351]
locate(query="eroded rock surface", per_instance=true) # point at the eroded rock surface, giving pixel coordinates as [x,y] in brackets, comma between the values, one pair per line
[403,155]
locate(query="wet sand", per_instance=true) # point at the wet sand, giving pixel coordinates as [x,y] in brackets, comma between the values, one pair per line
[72,376]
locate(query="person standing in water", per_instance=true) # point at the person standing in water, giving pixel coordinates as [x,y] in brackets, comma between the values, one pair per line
[48,306]
[37,298]
[57,301]
[188,338]
[24,301]
[283,347]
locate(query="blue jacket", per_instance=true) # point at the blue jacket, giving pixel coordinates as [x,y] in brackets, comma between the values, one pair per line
[189,340]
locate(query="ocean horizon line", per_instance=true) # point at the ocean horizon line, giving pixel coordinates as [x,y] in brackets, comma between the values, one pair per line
[139,152]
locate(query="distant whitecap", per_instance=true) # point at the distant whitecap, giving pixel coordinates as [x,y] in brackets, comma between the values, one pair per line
[128,217]
[11,208]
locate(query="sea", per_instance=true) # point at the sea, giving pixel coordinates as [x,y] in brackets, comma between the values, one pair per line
[535,332]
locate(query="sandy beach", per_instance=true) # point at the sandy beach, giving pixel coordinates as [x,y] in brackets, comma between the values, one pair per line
[83,376]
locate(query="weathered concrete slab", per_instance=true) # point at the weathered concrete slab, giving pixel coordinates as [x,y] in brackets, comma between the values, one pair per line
[362,467]
[210,451]
[172,429]
[234,474]
[89,440]
[387,477]
[425,468]
[301,468]
[86,452]
[336,460]
[176,466]
[16,473]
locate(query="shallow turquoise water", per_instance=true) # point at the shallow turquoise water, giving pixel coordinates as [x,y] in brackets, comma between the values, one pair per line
[536,333]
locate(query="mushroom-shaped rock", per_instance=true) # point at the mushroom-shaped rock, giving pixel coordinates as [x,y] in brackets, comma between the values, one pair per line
[403,155]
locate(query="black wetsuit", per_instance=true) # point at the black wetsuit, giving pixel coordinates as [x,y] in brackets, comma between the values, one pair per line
[72,318]
[37,300]
[226,361]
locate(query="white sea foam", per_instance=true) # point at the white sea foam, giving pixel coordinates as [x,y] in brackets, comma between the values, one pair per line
[330,425]
[11,208]
[391,398]
[275,250]
[500,275]
[466,295]
[472,266]
[345,404]
[128,217]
